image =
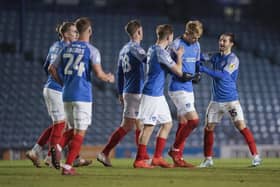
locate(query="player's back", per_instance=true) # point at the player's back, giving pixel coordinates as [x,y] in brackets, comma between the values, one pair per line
[131,59]
[77,59]
[225,89]
[54,51]
[154,85]
[189,58]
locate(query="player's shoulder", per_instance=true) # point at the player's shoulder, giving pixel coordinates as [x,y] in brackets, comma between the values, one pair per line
[56,46]
[92,48]
[176,43]
[162,53]
[136,48]
[150,50]
[233,58]
[233,55]
[197,44]
[159,49]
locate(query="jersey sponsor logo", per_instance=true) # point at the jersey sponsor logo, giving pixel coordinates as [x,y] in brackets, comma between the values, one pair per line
[190,59]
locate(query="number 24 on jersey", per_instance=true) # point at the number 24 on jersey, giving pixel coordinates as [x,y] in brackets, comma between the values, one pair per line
[74,64]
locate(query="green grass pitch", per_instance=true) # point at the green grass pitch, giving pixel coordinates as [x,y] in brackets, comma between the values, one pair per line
[226,173]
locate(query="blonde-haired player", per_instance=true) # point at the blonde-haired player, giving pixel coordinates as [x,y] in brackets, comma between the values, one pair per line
[181,93]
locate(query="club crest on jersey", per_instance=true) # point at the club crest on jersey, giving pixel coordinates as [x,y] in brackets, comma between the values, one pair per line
[188,105]
[153,118]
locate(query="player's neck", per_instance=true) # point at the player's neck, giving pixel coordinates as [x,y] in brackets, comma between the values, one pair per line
[135,40]
[65,41]
[162,43]
[185,38]
[225,52]
[84,38]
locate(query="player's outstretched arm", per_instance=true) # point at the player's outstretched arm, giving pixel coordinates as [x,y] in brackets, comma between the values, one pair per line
[100,74]
[213,73]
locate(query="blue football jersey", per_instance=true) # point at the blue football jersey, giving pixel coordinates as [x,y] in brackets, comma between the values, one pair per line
[159,62]
[130,72]
[76,61]
[54,51]
[190,57]
[225,89]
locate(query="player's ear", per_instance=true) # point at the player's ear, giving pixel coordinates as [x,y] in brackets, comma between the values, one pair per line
[167,38]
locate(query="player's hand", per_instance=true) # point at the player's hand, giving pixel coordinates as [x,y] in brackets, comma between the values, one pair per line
[180,52]
[110,78]
[199,63]
[186,77]
[121,99]
[196,78]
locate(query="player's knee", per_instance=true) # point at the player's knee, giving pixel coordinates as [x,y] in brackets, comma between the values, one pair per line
[240,125]
[193,123]
[128,125]
[209,127]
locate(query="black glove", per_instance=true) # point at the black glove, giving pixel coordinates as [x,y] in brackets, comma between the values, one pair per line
[186,77]
[196,78]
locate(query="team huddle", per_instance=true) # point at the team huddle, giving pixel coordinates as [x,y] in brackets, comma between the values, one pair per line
[141,77]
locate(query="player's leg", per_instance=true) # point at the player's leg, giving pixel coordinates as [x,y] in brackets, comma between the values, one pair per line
[208,141]
[131,107]
[237,116]
[213,115]
[164,118]
[138,129]
[131,110]
[188,121]
[56,150]
[140,161]
[247,134]
[127,125]
[55,107]
[160,144]
[74,150]
[148,115]
[34,153]
[53,101]
[82,119]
